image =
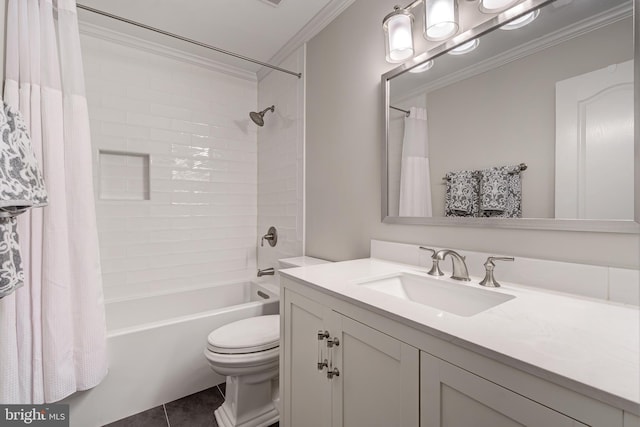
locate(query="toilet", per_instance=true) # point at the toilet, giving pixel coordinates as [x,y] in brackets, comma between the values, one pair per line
[247,353]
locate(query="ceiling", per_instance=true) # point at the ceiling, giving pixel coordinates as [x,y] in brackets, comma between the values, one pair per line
[252,28]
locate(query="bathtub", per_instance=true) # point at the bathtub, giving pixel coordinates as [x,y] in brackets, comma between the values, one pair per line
[156,345]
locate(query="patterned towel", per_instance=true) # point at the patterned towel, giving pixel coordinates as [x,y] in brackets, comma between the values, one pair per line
[501,192]
[21,188]
[11,274]
[461,194]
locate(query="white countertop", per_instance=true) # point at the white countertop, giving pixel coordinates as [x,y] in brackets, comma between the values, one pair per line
[586,341]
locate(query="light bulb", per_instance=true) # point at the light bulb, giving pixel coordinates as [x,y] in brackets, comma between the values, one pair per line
[525,19]
[422,67]
[494,6]
[398,29]
[440,20]
[465,47]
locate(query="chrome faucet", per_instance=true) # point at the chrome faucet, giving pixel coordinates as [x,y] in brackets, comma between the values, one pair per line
[489,280]
[460,271]
[435,268]
[266,272]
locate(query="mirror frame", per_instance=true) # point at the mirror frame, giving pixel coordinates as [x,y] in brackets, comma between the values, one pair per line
[611,226]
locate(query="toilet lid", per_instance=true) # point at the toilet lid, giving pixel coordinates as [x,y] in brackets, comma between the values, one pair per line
[246,336]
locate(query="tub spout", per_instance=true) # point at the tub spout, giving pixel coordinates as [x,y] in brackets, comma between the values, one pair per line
[266,272]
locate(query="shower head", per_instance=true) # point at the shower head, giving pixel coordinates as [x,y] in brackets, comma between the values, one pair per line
[258,118]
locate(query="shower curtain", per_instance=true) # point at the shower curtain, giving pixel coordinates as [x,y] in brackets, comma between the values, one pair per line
[52,334]
[415,183]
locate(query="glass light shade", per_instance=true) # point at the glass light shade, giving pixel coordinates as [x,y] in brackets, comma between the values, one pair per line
[440,19]
[493,6]
[465,47]
[398,36]
[522,21]
[423,67]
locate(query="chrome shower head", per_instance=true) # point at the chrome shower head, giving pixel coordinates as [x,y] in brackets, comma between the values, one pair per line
[258,118]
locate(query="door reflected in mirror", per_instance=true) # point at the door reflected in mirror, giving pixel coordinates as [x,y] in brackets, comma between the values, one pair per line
[556,95]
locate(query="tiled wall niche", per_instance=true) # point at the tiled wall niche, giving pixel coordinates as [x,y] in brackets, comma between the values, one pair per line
[198,226]
[123,176]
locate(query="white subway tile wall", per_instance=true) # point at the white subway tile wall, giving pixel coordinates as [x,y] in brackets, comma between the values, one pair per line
[199,223]
[280,162]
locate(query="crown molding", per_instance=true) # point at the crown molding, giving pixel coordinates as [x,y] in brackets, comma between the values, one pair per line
[313,27]
[102,33]
[552,39]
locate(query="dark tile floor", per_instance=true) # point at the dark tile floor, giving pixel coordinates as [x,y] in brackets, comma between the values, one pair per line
[195,410]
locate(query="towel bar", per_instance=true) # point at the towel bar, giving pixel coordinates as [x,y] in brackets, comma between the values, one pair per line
[521,167]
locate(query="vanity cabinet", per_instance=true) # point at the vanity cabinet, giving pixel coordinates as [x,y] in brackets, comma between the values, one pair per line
[305,390]
[388,373]
[451,396]
[341,373]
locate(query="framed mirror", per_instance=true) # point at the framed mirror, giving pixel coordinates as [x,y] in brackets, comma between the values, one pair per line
[550,102]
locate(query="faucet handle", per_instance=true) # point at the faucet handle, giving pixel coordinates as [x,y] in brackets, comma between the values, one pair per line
[271,237]
[433,251]
[490,260]
[435,267]
[489,280]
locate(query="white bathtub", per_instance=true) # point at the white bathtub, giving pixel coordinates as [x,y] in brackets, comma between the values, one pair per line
[156,348]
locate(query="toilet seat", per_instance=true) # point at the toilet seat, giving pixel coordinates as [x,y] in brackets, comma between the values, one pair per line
[252,335]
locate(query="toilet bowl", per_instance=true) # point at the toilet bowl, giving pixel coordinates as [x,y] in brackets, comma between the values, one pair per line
[247,353]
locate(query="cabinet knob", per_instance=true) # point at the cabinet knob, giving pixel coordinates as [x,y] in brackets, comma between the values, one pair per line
[333,373]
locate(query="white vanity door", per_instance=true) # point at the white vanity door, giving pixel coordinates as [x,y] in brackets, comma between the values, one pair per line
[453,397]
[378,384]
[306,391]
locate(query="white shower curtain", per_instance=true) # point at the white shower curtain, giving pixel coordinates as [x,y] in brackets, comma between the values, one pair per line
[52,334]
[415,183]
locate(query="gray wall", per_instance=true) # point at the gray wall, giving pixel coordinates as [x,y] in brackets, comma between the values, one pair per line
[343,155]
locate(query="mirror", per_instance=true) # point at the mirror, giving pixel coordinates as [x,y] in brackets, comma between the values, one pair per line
[555,96]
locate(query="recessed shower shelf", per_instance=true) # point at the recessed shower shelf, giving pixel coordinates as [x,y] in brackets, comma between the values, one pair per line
[123,176]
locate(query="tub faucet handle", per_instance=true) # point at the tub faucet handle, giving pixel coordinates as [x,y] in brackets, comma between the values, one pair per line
[435,267]
[271,237]
[489,280]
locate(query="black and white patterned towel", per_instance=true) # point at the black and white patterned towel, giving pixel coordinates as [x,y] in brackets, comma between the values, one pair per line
[11,274]
[501,192]
[461,193]
[21,188]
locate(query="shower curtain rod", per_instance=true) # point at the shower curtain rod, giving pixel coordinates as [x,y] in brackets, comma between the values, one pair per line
[406,112]
[188,40]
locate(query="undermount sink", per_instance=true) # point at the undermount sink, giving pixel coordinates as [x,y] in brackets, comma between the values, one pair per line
[437,293]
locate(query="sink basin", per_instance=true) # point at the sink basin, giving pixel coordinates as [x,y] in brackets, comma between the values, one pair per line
[437,293]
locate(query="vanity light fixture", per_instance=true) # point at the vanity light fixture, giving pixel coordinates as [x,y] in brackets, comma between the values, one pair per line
[440,23]
[440,19]
[398,35]
[465,47]
[422,67]
[494,6]
[525,19]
